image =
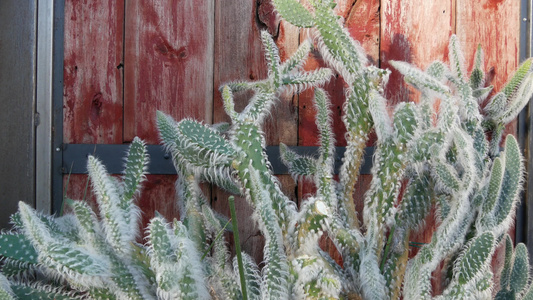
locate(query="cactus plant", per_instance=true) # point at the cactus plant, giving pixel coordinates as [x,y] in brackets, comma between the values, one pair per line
[426,155]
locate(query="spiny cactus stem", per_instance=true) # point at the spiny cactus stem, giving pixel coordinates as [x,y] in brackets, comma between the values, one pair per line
[219,234]
[237,242]
[387,248]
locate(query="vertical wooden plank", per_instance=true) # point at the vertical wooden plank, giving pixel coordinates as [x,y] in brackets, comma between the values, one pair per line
[362,21]
[92,93]
[414,32]
[93,71]
[17,86]
[495,24]
[239,56]
[167,64]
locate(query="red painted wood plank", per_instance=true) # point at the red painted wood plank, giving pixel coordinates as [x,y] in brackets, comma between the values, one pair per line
[239,56]
[418,34]
[92,94]
[415,33]
[362,22]
[168,63]
[495,24]
[93,71]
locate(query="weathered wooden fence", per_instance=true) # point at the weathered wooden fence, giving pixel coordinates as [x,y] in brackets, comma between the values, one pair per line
[125,59]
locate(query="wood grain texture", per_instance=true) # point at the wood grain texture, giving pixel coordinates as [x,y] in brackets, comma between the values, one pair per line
[167,65]
[495,24]
[416,33]
[239,56]
[92,71]
[93,82]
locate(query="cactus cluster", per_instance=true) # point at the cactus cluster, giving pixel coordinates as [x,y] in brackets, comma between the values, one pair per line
[441,152]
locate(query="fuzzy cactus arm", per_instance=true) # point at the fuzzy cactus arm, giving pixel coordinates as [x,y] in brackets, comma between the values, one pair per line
[496,105]
[201,146]
[16,247]
[358,124]
[414,208]
[373,283]
[528,295]
[518,78]
[520,272]
[252,276]
[194,146]
[193,199]
[301,81]
[250,142]
[299,166]
[272,58]
[477,76]
[221,277]
[493,191]
[518,100]
[298,58]
[336,46]
[309,225]
[134,175]
[457,60]
[179,271]
[294,12]
[475,259]
[471,268]
[446,239]
[229,103]
[499,219]
[421,80]
[316,279]
[326,161]
[276,270]
[377,106]
[6,292]
[63,257]
[119,231]
[90,229]
[482,93]
[42,291]
[219,175]
[267,213]
[390,162]
[259,106]
[396,263]
[505,275]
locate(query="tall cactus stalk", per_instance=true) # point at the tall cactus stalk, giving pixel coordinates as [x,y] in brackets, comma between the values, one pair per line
[444,156]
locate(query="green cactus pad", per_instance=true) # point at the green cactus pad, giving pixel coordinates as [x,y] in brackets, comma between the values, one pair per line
[17,247]
[294,12]
[474,259]
[520,272]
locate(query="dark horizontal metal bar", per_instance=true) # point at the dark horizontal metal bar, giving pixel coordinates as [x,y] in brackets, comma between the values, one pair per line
[113,157]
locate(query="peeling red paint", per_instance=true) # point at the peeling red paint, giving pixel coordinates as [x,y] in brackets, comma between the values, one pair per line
[492,4]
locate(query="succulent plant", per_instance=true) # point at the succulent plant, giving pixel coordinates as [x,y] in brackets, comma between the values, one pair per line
[428,154]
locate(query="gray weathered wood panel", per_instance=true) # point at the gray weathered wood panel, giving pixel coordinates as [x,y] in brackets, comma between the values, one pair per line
[17,97]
